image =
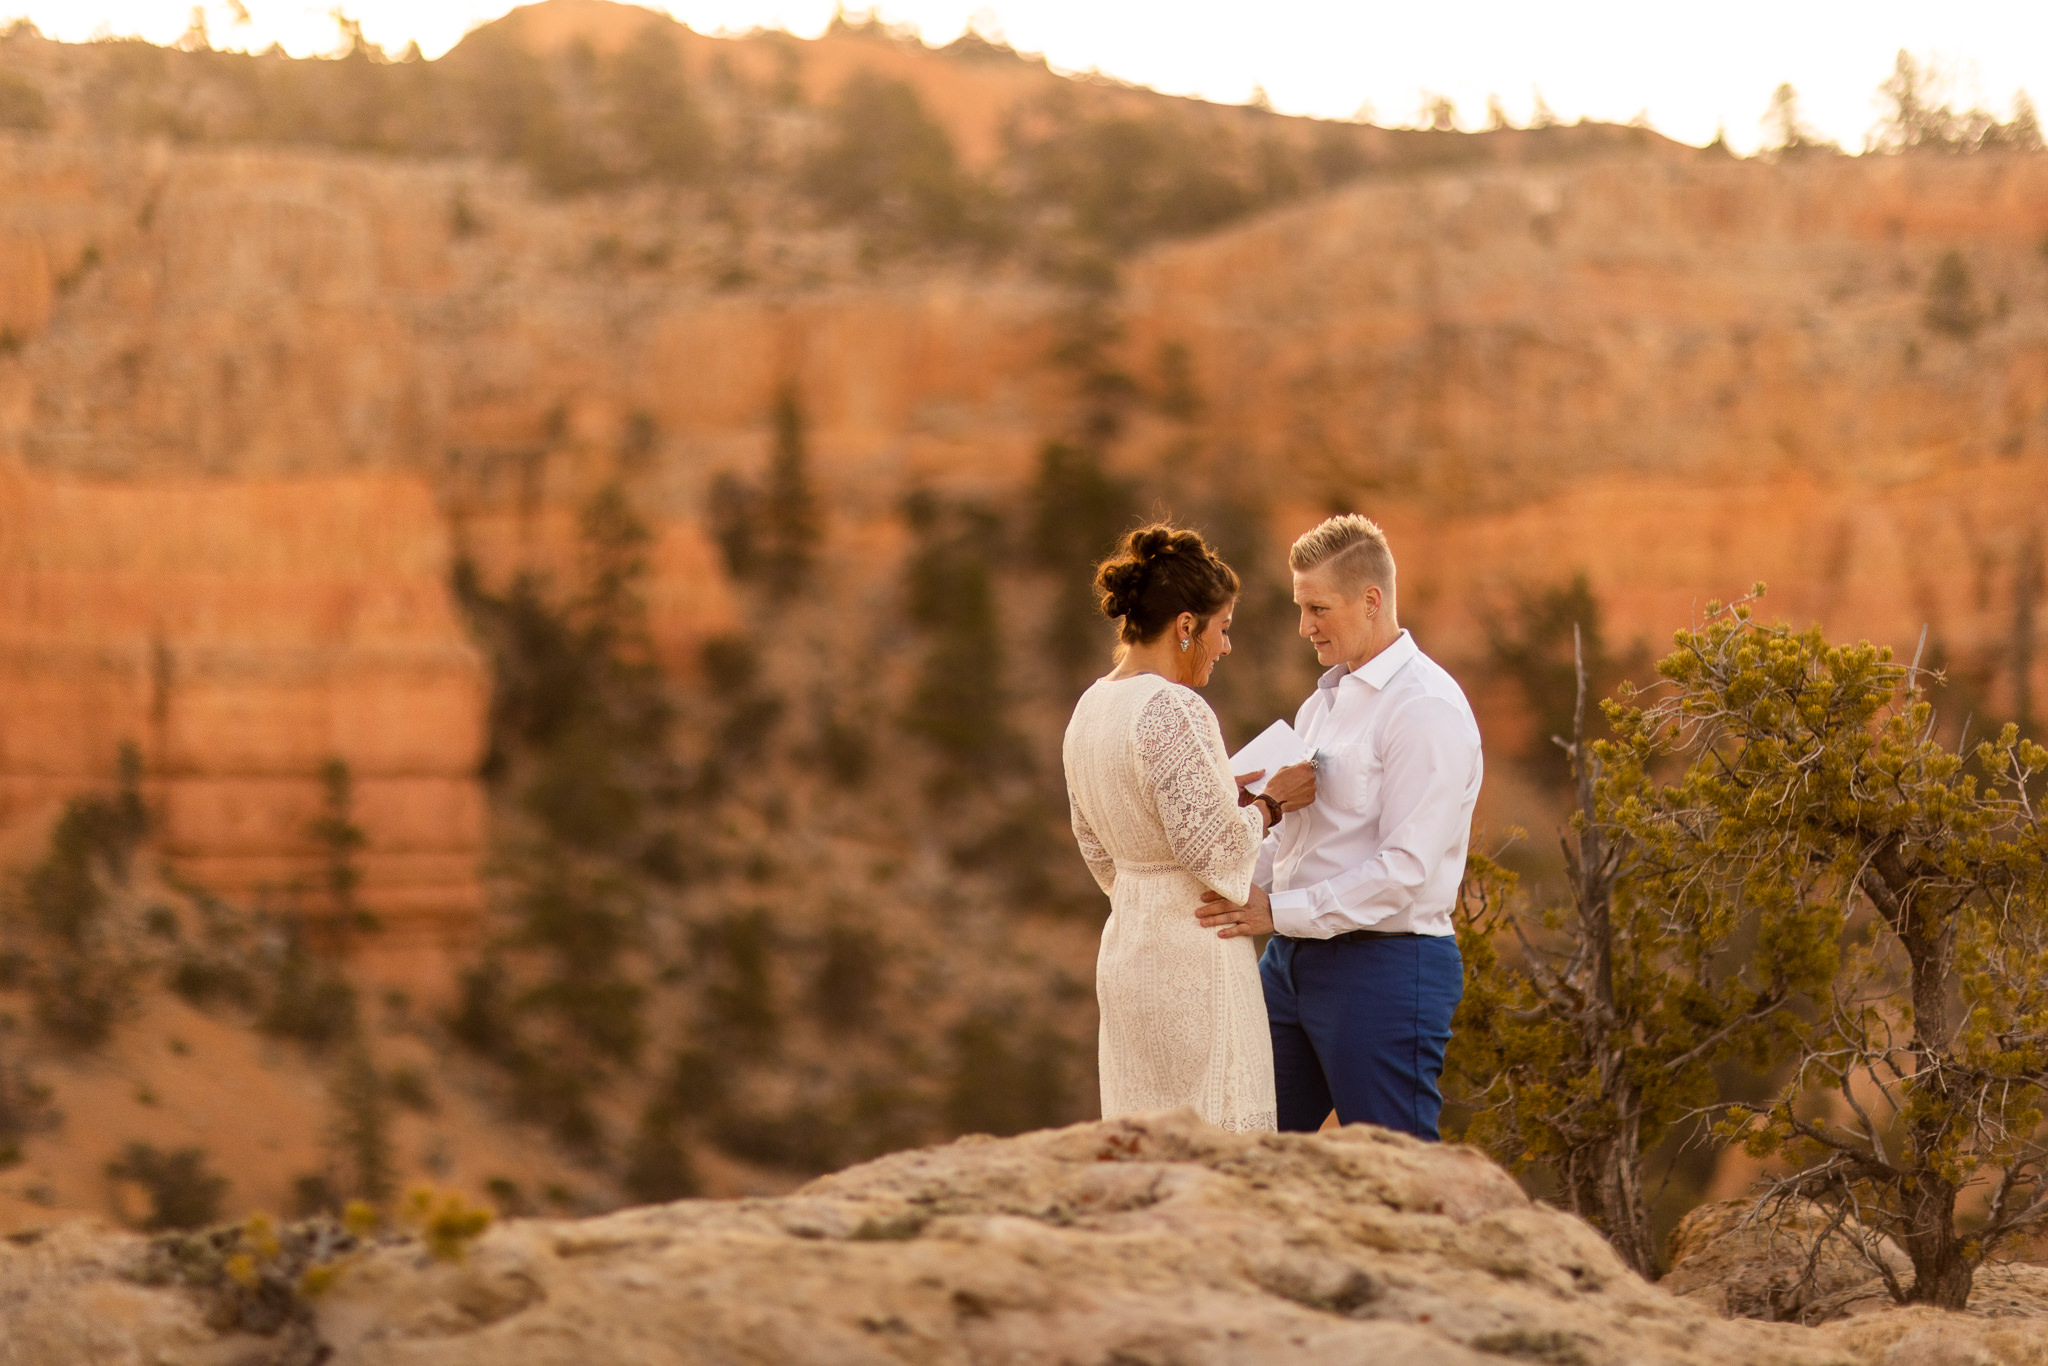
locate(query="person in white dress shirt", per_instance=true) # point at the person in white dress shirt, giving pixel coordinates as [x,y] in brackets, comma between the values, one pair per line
[1362,974]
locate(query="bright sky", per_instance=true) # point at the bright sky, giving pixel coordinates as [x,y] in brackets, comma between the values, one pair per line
[1689,67]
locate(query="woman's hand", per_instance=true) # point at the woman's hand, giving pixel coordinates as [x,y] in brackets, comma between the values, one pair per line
[1244,793]
[1294,786]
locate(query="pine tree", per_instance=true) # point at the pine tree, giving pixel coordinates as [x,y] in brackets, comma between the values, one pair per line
[1581,1050]
[341,841]
[791,522]
[958,704]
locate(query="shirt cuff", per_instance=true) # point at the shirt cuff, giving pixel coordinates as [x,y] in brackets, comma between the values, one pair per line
[1292,915]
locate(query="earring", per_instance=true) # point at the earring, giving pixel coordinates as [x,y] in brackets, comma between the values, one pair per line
[1184,644]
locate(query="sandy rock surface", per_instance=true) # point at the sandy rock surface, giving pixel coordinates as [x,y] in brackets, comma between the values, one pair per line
[1157,1240]
[1730,1262]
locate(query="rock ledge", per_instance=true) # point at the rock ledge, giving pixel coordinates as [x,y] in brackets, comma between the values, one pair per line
[1151,1240]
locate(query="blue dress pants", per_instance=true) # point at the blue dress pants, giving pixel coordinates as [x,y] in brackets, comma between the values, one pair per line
[1360,1026]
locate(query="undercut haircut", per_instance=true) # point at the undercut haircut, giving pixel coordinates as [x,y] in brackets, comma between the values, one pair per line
[1352,548]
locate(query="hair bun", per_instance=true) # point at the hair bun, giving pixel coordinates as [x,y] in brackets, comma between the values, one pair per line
[1120,583]
[1151,543]
[1158,572]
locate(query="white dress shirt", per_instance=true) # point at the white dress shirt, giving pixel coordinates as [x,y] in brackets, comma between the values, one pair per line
[1383,847]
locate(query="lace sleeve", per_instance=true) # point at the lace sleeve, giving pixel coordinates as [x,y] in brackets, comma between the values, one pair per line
[1098,859]
[1182,751]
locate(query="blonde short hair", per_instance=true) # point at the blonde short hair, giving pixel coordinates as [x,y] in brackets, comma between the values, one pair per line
[1353,548]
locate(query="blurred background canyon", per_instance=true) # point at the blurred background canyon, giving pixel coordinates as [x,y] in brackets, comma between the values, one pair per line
[541,588]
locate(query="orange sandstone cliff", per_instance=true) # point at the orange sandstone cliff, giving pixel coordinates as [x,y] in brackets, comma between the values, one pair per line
[1678,377]
[255,402]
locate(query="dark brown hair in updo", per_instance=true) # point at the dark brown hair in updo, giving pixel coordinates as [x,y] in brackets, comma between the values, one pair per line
[1159,572]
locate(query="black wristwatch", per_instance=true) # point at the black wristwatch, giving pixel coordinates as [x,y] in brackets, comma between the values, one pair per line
[1272,805]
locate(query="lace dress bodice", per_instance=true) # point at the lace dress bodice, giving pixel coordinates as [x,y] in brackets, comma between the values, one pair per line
[1155,813]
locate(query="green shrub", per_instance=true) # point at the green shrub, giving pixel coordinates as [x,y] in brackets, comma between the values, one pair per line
[1531,643]
[314,1194]
[803,1139]
[257,1277]
[882,1114]
[583,792]
[408,1086]
[652,109]
[24,1110]
[361,1136]
[1078,510]
[308,1000]
[1952,306]
[845,747]
[551,1086]
[215,963]
[791,518]
[739,997]
[888,166]
[21,104]
[508,1197]
[698,1083]
[602,1011]
[1003,1083]
[95,838]
[556,1095]
[658,1165]
[580,718]
[771,532]
[732,507]
[731,664]
[848,984]
[517,100]
[205,981]
[749,725]
[958,702]
[482,1020]
[582,923]
[83,977]
[1023,850]
[341,841]
[447,1224]
[182,1193]
[1271,670]
[80,1001]
[1125,181]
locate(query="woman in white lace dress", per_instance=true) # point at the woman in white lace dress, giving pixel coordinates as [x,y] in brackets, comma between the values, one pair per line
[1157,815]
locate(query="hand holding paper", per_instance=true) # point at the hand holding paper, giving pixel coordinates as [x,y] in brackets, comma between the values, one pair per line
[1276,747]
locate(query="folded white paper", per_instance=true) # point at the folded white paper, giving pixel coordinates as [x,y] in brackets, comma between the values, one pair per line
[1276,748]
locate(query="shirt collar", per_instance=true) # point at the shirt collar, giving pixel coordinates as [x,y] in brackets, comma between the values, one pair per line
[1380,669]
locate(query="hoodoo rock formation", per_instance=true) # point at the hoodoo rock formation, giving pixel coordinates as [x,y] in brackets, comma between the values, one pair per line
[240,635]
[273,403]
[1157,1239]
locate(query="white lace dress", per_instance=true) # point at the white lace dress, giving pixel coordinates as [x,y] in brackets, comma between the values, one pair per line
[1156,814]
